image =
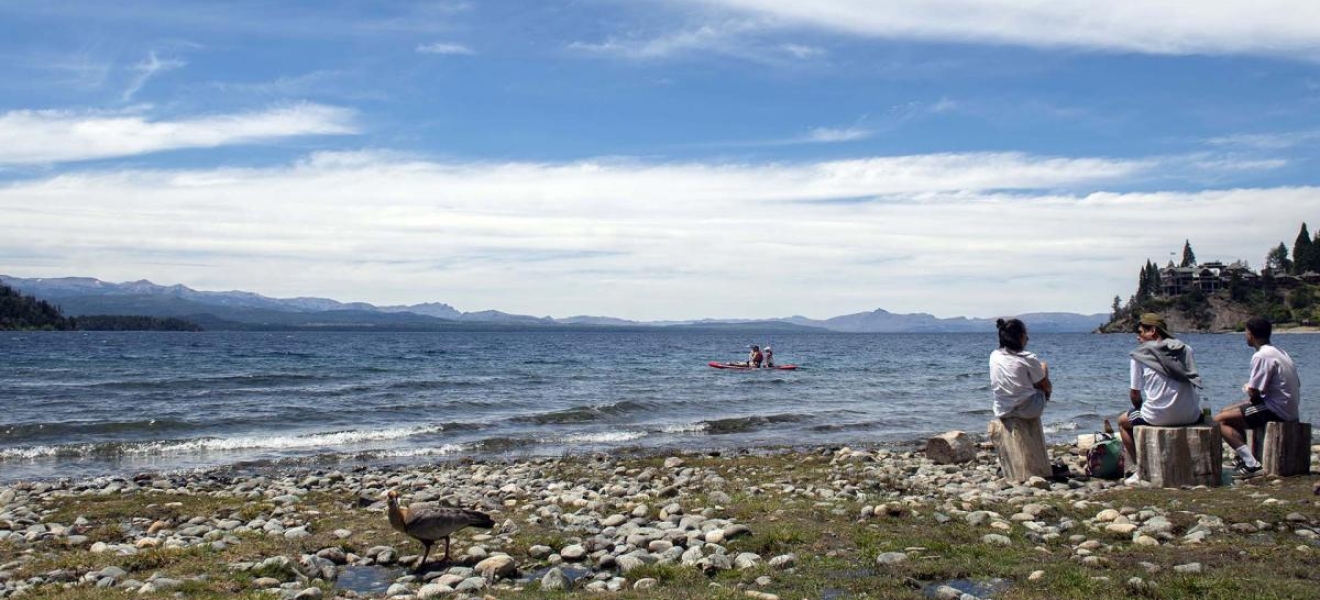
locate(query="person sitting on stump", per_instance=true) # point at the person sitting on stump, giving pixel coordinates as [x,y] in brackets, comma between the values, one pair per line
[1019,382]
[1162,370]
[1273,394]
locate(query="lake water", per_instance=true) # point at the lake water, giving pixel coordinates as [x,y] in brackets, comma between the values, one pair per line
[77,404]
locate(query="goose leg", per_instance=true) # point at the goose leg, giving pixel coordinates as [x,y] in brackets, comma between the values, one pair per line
[425,553]
[446,549]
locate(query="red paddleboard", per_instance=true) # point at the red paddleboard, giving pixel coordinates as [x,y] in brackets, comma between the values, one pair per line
[720,365]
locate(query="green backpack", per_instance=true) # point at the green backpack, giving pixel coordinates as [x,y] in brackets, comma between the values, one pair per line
[1105,459]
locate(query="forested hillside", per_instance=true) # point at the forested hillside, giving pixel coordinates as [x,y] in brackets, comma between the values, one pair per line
[27,313]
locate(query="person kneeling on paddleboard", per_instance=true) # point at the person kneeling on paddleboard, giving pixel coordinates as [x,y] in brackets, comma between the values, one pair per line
[769,358]
[755,358]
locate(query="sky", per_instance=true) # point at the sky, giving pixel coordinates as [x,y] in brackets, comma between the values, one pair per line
[656,159]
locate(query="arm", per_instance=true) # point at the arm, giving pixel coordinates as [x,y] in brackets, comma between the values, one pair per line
[1044,384]
[1258,380]
[1134,388]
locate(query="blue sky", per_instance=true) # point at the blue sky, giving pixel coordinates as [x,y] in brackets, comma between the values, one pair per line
[657,159]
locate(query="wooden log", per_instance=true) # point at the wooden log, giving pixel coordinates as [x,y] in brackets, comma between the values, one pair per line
[1020,444]
[1178,456]
[952,447]
[1283,449]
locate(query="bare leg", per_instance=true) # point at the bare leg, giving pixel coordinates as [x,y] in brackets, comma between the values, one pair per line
[1129,444]
[1232,426]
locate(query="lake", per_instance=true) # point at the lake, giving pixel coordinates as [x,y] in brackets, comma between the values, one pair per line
[80,404]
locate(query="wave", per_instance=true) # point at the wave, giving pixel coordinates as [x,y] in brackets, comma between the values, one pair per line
[18,432]
[856,426]
[212,444]
[584,414]
[686,428]
[604,437]
[752,423]
[445,450]
[1062,426]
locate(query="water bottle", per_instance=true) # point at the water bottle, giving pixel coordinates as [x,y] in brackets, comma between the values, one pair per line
[1205,410]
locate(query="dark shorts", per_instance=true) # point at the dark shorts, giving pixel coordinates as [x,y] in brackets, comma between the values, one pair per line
[1134,417]
[1257,415]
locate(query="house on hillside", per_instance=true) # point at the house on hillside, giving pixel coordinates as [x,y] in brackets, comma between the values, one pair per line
[1209,277]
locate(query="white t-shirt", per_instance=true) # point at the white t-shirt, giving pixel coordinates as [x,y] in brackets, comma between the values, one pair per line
[1013,376]
[1168,402]
[1275,375]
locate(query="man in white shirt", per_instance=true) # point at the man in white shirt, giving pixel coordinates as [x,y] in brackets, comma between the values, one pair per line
[1163,370]
[1273,394]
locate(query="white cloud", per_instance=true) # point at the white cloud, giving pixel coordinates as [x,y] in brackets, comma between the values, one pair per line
[49,136]
[1268,27]
[1267,141]
[643,240]
[445,48]
[147,69]
[826,134]
[803,51]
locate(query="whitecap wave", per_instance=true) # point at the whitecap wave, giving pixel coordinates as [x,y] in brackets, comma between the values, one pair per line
[204,445]
[604,437]
[444,450]
[1064,426]
[685,428]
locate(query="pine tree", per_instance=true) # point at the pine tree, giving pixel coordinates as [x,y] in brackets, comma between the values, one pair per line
[1189,257]
[1303,252]
[1277,260]
[1117,308]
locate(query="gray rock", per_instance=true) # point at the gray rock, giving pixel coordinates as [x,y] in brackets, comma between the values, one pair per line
[296,533]
[555,579]
[996,539]
[783,561]
[746,560]
[308,594]
[1188,568]
[471,584]
[628,562]
[433,590]
[398,589]
[891,558]
[573,552]
[500,565]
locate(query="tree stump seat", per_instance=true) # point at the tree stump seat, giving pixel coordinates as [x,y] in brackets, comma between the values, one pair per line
[1020,444]
[1178,456]
[1283,449]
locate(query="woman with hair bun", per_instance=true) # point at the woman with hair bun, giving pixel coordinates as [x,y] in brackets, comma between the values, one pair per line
[1019,382]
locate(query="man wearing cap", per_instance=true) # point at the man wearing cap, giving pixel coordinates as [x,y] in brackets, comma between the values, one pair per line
[1163,370]
[1273,393]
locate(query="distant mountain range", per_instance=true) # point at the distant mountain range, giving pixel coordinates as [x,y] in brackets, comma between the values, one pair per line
[238,310]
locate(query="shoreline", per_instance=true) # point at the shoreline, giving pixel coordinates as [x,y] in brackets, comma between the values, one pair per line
[764,522]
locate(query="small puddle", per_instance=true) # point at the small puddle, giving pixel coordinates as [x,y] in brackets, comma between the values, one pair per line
[367,580]
[980,589]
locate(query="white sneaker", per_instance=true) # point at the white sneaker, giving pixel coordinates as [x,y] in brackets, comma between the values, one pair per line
[1133,480]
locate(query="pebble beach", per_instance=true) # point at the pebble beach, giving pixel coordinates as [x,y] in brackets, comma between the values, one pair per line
[826,522]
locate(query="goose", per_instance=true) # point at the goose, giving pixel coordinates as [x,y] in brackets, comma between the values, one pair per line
[427,524]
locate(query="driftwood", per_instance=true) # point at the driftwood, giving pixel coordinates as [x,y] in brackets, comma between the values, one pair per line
[1284,449]
[951,447]
[1020,444]
[1178,456]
